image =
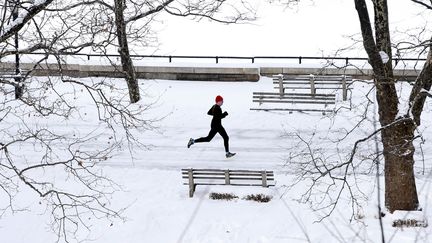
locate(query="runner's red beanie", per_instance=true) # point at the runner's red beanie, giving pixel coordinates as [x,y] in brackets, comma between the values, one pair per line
[219,98]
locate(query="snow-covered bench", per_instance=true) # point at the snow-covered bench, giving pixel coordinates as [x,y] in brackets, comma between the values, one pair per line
[313,83]
[307,102]
[298,98]
[194,177]
[321,98]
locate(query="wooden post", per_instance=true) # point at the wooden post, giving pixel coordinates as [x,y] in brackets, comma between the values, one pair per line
[281,86]
[264,178]
[227,177]
[312,83]
[344,88]
[191,183]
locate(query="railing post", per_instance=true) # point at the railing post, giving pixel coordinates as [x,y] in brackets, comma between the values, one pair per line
[227,177]
[253,60]
[264,178]
[217,59]
[170,59]
[191,182]
[312,83]
[300,59]
[344,88]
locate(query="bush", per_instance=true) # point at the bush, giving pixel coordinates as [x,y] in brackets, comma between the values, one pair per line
[258,198]
[222,196]
[409,223]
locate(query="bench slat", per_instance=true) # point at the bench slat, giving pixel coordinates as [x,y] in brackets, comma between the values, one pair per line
[185,173]
[231,178]
[232,184]
[297,94]
[293,101]
[292,97]
[316,77]
[289,110]
[308,83]
[225,170]
[331,88]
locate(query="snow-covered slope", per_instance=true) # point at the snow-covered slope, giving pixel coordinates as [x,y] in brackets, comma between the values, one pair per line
[157,206]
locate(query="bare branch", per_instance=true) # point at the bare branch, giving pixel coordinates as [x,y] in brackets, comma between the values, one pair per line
[150,12]
[80,4]
[428,6]
[423,83]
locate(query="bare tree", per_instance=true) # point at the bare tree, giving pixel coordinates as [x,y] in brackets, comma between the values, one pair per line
[127,24]
[61,164]
[397,126]
[398,119]
[50,146]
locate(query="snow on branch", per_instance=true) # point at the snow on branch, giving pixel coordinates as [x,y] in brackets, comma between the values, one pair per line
[23,17]
[428,93]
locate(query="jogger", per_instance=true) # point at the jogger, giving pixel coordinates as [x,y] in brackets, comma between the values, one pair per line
[216,127]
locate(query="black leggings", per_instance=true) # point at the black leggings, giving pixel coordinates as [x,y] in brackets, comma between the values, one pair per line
[211,135]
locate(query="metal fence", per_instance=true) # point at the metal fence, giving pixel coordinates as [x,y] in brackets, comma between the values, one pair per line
[252,59]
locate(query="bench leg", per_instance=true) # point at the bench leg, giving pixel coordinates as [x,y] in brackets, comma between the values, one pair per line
[191,189]
[264,178]
[191,182]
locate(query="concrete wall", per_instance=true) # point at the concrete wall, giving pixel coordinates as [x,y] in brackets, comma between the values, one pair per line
[229,74]
[146,72]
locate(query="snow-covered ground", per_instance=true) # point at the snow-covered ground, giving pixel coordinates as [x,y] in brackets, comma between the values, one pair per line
[157,206]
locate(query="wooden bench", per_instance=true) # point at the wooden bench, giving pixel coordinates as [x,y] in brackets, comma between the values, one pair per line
[196,177]
[313,83]
[298,98]
[320,100]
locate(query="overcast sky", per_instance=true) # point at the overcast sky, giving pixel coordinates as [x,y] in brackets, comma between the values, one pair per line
[309,29]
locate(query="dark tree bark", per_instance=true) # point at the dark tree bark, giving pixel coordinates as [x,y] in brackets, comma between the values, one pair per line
[18,87]
[127,65]
[398,133]
[400,187]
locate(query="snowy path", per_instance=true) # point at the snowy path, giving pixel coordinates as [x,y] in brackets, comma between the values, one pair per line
[258,138]
[268,153]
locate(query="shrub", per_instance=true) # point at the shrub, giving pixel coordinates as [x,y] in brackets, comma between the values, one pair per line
[258,198]
[409,223]
[222,196]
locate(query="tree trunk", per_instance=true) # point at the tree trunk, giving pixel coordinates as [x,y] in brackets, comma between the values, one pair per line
[127,65]
[18,85]
[398,135]
[400,187]
[382,33]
